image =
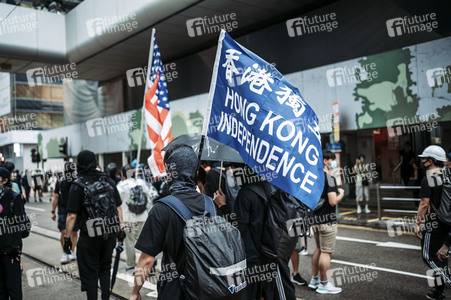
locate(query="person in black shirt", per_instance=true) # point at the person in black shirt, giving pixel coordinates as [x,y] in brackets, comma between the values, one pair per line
[26,185]
[325,230]
[62,188]
[434,232]
[10,239]
[94,253]
[250,208]
[163,230]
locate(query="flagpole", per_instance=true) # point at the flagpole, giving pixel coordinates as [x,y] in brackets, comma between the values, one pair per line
[210,98]
[143,108]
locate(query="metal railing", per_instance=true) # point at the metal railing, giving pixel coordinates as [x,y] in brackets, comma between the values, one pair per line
[393,187]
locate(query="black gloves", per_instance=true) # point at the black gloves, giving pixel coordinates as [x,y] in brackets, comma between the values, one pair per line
[14,254]
[67,245]
[121,236]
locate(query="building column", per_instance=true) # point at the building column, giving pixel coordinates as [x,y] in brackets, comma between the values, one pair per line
[101,162]
[124,159]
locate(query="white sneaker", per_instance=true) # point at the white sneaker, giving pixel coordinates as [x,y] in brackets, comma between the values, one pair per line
[314,283]
[303,252]
[72,256]
[64,258]
[359,210]
[328,289]
[367,210]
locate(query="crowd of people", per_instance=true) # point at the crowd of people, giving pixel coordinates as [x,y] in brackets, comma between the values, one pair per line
[95,210]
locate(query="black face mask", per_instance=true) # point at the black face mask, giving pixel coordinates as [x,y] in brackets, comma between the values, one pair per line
[423,165]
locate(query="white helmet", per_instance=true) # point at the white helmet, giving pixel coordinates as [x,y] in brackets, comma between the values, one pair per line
[435,152]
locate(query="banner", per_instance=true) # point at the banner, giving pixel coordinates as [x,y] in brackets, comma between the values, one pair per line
[255,110]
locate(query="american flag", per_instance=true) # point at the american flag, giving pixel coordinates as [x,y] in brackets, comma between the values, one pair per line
[157,114]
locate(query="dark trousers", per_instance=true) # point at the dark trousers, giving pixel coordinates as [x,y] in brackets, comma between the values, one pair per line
[432,241]
[276,286]
[94,257]
[10,279]
[27,194]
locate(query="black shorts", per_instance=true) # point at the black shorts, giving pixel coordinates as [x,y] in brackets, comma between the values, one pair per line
[62,223]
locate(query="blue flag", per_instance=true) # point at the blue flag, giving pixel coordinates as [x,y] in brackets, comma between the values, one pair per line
[255,110]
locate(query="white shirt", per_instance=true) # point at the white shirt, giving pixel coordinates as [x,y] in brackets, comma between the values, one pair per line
[124,187]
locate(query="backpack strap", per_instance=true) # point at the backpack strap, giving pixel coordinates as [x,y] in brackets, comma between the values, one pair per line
[260,191]
[180,209]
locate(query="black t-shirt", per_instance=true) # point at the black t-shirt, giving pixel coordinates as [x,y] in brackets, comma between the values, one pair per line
[62,188]
[431,187]
[326,214]
[250,211]
[10,238]
[76,196]
[163,231]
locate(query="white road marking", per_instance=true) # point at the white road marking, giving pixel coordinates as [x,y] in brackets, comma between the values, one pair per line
[46,232]
[34,208]
[381,269]
[399,245]
[380,244]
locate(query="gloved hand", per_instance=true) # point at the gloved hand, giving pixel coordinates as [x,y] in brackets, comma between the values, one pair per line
[14,255]
[67,245]
[121,236]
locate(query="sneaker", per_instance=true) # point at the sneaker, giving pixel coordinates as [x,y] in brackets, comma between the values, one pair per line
[303,252]
[40,200]
[64,258]
[434,295]
[367,210]
[298,279]
[328,289]
[313,283]
[359,210]
[72,256]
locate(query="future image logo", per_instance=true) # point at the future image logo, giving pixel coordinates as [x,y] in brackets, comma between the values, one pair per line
[414,24]
[351,75]
[310,25]
[400,126]
[111,124]
[438,77]
[208,25]
[105,25]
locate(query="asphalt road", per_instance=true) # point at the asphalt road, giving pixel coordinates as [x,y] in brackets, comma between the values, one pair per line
[387,267]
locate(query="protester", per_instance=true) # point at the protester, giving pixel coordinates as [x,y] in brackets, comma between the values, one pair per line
[15,183]
[406,155]
[37,184]
[434,231]
[62,188]
[250,211]
[137,196]
[325,230]
[112,170]
[97,238]
[51,184]
[163,230]
[301,249]
[26,186]
[448,160]
[10,239]
[361,183]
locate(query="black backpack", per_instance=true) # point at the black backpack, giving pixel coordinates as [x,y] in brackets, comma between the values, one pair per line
[214,251]
[24,221]
[100,205]
[137,202]
[285,220]
[444,209]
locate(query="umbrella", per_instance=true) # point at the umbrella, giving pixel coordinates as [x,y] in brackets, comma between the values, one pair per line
[119,249]
[212,150]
